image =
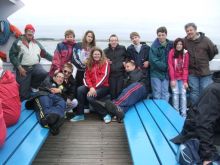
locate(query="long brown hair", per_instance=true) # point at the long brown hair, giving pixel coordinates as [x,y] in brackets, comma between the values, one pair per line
[90,60]
[84,42]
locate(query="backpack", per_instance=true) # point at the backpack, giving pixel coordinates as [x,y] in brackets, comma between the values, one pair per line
[188,153]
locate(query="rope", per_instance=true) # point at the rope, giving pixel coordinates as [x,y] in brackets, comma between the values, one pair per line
[5,32]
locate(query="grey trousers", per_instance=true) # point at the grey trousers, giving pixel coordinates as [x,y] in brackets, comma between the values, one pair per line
[35,75]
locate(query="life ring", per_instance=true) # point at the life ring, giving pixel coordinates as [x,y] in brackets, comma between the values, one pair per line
[6,30]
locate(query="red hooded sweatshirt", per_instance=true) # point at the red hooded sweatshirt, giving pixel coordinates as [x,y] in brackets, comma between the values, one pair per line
[178,67]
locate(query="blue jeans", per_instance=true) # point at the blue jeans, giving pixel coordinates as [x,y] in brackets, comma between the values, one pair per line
[179,97]
[53,103]
[160,88]
[197,84]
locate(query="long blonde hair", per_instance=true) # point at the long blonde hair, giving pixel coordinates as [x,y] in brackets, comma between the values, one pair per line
[90,60]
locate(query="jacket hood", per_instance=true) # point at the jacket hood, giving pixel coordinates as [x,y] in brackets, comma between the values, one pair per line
[69,43]
[216,77]
[201,36]
[157,43]
[7,77]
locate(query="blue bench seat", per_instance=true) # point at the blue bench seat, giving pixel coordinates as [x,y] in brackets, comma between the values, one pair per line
[150,125]
[23,140]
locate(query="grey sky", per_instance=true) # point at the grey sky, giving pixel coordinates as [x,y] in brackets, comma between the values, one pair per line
[52,17]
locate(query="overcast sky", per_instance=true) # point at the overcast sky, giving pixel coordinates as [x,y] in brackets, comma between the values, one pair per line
[52,17]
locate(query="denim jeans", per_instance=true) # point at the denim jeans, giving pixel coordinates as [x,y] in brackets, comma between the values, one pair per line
[197,84]
[53,103]
[179,97]
[160,88]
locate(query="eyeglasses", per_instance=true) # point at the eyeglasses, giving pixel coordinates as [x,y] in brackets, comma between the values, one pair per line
[66,71]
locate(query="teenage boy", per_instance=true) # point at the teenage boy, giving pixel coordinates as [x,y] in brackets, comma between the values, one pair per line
[159,66]
[134,90]
[139,52]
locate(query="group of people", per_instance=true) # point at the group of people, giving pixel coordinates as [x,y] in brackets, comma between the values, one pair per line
[127,75]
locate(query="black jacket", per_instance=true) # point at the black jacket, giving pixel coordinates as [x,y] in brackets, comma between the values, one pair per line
[117,56]
[203,121]
[139,58]
[135,76]
[69,88]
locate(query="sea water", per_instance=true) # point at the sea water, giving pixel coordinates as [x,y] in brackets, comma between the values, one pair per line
[50,45]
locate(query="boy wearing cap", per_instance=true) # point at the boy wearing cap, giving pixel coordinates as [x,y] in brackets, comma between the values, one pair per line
[25,55]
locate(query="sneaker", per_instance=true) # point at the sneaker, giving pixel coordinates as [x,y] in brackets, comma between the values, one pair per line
[77,118]
[86,110]
[34,90]
[114,110]
[107,119]
[114,118]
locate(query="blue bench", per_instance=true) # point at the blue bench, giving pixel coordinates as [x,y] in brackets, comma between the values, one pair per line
[23,140]
[150,125]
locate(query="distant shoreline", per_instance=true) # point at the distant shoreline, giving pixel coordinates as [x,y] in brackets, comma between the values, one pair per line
[79,40]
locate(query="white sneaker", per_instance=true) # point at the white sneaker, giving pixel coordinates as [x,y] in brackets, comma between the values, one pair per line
[86,111]
[34,89]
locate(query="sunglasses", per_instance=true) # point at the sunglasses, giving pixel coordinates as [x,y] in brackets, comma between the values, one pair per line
[66,71]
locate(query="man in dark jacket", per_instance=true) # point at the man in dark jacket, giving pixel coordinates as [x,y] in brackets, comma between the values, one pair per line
[116,55]
[203,121]
[201,51]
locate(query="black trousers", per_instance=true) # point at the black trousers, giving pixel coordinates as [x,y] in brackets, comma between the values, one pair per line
[116,85]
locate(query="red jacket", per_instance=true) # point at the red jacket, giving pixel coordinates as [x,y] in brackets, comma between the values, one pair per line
[9,95]
[97,76]
[3,129]
[62,55]
[178,67]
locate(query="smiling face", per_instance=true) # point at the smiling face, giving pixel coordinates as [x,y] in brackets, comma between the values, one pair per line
[69,38]
[96,55]
[179,46]
[161,37]
[191,32]
[135,40]
[58,78]
[113,41]
[67,72]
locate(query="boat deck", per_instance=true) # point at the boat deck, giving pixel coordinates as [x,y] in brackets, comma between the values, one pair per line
[87,142]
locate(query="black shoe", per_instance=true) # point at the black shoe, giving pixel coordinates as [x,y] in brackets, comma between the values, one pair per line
[54,131]
[114,110]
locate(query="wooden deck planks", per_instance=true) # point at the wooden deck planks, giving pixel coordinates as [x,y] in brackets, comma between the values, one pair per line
[87,142]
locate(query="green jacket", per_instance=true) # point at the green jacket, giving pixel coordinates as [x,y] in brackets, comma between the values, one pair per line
[158,59]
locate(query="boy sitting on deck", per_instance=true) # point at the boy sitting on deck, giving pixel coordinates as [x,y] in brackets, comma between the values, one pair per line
[49,102]
[134,90]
